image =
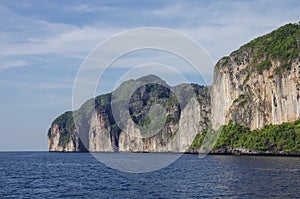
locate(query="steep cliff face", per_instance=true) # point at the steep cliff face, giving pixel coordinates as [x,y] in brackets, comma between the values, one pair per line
[62,136]
[256,85]
[259,83]
[99,134]
[186,112]
[173,137]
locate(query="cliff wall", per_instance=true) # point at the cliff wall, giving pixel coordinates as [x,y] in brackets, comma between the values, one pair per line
[256,85]
[259,83]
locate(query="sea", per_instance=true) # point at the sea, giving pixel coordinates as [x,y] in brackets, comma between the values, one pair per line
[81,175]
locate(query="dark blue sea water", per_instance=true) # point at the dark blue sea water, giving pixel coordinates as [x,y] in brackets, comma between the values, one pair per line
[80,175]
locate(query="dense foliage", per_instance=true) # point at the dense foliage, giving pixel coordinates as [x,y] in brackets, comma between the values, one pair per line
[280,45]
[66,125]
[143,100]
[284,137]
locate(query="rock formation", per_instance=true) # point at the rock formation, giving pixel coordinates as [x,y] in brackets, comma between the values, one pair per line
[256,85]
[186,113]
[259,83]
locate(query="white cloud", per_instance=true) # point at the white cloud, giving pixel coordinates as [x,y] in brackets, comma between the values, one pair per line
[220,27]
[42,85]
[169,11]
[68,41]
[85,8]
[41,34]
[12,64]
[82,8]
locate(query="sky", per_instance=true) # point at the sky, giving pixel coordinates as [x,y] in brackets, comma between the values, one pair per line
[44,43]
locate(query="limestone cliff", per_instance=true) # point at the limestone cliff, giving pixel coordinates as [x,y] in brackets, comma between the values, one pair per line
[62,136]
[255,85]
[259,83]
[186,113]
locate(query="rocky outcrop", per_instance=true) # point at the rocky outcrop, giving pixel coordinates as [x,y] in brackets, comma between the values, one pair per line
[62,136]
[256,85]
[246,151]
[254,99]
[186,112]
[174,137]
[99,134]
[259,84]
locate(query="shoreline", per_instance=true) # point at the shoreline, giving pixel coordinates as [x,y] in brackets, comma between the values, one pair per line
[192,153]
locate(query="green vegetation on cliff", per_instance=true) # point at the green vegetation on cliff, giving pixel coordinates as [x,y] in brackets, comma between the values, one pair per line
[281,45]
[276,138]
[66,125]
[140,106]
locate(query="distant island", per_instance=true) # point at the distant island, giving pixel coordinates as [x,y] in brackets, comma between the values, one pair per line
[254,100]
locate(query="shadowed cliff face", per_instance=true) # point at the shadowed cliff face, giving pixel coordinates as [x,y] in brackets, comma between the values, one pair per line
[161,119]
[259,83]
[256,85]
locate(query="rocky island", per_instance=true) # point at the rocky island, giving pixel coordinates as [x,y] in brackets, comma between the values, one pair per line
[254,100]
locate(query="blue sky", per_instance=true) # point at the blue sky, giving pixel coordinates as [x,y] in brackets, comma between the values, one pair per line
[43,44]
